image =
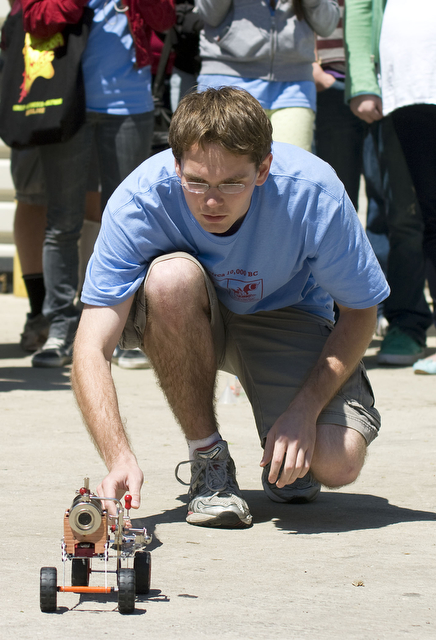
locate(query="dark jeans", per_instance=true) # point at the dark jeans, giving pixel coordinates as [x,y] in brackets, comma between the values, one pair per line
[394,222]
[377,228]
[122,143]
[339,137]
[416,129]
[406,307]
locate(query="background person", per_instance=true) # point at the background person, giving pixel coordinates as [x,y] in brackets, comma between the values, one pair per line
[406,309]
[120,120]
[408,72]
[267,48]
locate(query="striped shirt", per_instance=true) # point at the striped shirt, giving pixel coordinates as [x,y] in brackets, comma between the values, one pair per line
[331,51]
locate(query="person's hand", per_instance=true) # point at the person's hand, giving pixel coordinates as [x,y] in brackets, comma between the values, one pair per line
[367,107]
[125,475]
[291,440]
[322,79]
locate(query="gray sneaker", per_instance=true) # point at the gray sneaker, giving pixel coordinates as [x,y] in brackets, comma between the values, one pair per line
[55,353]
[304,489]
[130,359]
[215,498]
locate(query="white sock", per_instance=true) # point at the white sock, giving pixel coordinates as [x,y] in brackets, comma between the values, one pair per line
[200,444]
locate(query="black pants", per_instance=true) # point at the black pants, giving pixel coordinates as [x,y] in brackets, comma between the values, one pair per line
[416,129]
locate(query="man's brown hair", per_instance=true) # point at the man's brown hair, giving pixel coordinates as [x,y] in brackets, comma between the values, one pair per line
[228,117]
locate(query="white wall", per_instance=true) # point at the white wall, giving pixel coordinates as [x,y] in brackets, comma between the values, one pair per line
[4,8]
[7,207]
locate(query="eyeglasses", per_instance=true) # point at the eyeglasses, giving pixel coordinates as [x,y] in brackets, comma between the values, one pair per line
[202,187]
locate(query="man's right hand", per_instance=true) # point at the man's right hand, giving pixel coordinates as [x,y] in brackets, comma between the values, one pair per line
[98,333]
[124,476]
[367,107]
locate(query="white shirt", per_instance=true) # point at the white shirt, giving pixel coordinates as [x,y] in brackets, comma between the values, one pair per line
[408,54]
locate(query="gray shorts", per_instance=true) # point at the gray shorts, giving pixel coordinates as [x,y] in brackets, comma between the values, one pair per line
[27,176]
[272,353]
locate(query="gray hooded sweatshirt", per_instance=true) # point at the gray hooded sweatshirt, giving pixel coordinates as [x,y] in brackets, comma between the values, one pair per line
[243,38]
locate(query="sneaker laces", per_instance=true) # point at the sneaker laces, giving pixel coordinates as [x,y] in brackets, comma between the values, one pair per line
[216,477]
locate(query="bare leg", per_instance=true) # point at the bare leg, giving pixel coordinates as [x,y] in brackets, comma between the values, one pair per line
[339,455]
[90,231]
[29,231]
[93,206]
[178,342]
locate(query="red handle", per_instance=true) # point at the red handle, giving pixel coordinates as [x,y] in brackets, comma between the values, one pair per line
[128,501]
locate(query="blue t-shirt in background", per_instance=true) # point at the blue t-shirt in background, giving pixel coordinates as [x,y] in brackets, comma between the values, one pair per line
[113,84]
[300,244]
[271,94]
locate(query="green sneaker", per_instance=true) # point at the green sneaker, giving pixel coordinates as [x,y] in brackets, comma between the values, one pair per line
[398,348]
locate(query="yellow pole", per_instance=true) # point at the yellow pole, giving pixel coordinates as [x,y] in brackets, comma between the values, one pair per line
[18,282]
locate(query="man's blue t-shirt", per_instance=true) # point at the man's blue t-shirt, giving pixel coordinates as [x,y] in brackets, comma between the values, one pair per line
[300,244]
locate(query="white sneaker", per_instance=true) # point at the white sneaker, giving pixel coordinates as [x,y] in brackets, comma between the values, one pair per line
[381,327]
[130,359]
[215,497]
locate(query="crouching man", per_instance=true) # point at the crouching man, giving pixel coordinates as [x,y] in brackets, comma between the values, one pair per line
[227,252]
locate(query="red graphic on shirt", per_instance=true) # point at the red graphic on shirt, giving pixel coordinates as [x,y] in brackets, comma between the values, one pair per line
[243,291]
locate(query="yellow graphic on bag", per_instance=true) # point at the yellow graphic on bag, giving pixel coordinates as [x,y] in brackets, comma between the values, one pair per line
[38,56]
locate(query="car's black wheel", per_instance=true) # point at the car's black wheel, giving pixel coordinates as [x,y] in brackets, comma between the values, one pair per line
[126,590]
[48,589]
[80,572]
[142,566]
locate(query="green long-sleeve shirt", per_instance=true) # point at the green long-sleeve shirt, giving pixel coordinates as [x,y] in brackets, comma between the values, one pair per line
[362,27]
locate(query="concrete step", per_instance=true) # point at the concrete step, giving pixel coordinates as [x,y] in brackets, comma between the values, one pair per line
[7,192]
[6,183]
[7,252]
[7,212]
[5,151]
[4,8]
[7,209]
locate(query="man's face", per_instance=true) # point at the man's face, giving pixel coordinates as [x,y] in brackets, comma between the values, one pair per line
[215,211]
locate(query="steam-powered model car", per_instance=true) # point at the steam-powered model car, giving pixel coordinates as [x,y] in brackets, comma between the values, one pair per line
[93,537]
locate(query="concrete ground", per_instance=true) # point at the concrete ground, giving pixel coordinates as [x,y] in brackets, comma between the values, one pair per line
[359,563]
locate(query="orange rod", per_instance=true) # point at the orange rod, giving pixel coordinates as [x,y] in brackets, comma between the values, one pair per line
[86,589]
